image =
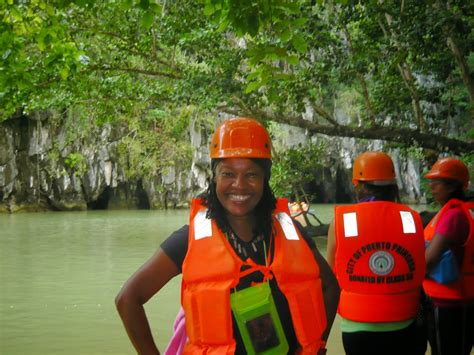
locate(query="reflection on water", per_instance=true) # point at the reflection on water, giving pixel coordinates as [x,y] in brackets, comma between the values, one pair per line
[60,272]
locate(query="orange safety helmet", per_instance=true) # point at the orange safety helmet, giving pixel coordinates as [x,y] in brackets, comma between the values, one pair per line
[374,167]
[450,169]
[241,137]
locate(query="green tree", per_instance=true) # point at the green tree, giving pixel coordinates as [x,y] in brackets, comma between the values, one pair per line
[401,72]
[138,65]
[407,68]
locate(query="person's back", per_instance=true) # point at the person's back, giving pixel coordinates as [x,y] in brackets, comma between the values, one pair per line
[376,248]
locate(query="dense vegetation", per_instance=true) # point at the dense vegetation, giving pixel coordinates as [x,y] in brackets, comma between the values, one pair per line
[397,71]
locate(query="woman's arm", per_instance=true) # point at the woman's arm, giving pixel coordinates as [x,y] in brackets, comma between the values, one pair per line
[141,286]
[433,252]
[331,246]
[452,230]
[330,285]
[331,290]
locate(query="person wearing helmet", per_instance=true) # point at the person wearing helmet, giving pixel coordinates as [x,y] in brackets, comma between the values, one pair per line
[252,282]
[449,283]
[376,250]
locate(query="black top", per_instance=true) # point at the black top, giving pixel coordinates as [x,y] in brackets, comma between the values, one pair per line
[176,247]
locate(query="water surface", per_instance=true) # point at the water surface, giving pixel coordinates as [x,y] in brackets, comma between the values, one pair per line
[60,272]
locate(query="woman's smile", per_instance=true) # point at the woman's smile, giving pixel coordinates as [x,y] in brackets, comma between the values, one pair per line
[238,198]
[239,185]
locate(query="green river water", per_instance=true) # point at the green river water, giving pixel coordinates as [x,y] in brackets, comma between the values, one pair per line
[60,272]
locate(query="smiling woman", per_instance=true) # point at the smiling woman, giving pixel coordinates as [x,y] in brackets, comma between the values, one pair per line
[238,251]
[241,168]
[239,188]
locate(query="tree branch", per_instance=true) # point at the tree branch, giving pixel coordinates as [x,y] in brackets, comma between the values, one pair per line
[136,70]
[404,136]
[459,56]
[406,73]
[363,83]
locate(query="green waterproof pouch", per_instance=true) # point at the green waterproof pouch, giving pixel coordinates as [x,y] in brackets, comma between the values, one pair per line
[258,321]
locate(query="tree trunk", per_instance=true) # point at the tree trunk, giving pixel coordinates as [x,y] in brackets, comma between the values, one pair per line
[463,66]
[408,79]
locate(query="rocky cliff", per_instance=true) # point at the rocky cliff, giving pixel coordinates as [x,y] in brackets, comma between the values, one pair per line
[40,170]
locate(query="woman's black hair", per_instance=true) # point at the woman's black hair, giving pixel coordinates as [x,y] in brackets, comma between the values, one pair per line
[365,190]
[263,210]
[458,191]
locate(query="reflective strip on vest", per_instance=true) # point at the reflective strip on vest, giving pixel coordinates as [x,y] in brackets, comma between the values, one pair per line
[350,225]
[287,225]
[351,230]
[202,226]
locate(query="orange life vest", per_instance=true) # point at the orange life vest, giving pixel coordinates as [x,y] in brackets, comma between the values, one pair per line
[211,268]
[380,262]
[463,287]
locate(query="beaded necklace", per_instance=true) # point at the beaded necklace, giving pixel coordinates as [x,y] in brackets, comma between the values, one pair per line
[244,249]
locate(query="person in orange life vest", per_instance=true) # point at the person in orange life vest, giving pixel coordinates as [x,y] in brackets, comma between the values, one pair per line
[450,233]
[297,209]
[376,249]
[240,238]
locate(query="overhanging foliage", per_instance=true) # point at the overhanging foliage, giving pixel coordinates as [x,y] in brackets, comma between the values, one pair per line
[399,71]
